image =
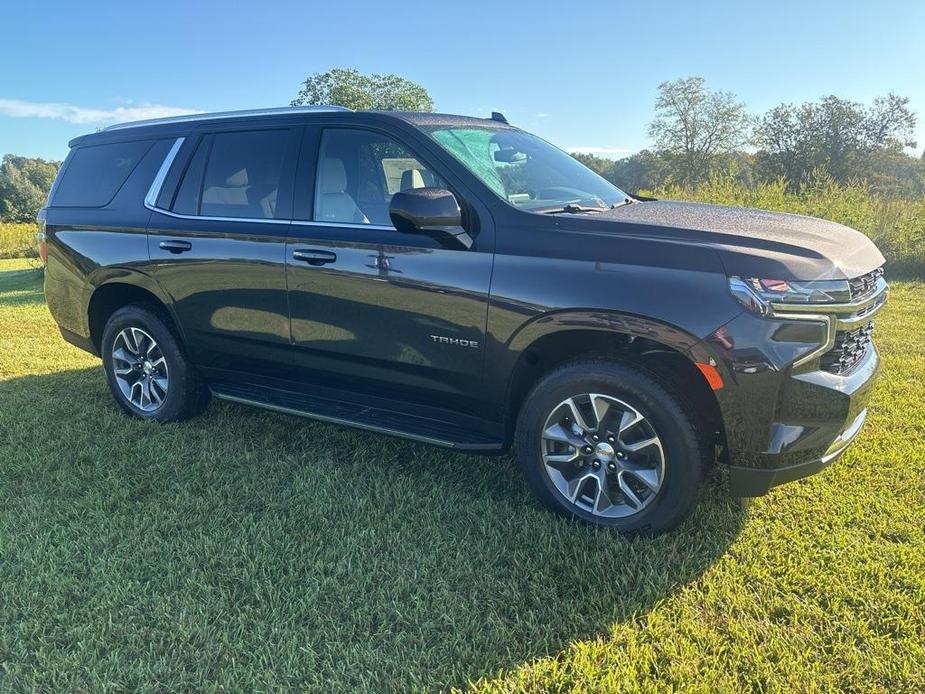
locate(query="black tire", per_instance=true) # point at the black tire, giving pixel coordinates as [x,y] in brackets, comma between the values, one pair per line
[684,447]
[186,394]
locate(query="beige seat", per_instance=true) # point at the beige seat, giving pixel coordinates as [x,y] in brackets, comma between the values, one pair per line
[411,179]
[233,193]
[333,203]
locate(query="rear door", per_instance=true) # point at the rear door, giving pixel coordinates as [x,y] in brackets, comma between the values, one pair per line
[401,315]
[217,241]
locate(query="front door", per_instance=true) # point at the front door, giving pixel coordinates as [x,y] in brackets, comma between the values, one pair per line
[218,246]
[374,309]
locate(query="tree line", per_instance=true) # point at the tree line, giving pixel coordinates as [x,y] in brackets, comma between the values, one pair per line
[24,186]
[697,133]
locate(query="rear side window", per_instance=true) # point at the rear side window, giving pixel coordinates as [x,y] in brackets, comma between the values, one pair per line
[234,175]
[190,190]
[94,174]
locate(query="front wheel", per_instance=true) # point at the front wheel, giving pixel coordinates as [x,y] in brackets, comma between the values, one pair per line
[147,372]
[610,445]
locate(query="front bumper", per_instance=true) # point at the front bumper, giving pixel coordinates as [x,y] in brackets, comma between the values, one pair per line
[787,411]
[748,481]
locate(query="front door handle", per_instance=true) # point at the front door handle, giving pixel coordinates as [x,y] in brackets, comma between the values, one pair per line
[314,257]
[175,246]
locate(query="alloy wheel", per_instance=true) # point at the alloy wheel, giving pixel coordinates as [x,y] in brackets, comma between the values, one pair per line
[603,455]
[140,369]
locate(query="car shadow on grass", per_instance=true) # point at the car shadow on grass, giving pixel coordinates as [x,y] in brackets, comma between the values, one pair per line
[252,549]
[21,286]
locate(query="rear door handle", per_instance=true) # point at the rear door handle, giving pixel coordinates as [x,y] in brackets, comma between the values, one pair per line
[314,257]
[175,246]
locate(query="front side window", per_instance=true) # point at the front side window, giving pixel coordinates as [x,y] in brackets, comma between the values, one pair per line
[358,173]
[525,170]
[234,175]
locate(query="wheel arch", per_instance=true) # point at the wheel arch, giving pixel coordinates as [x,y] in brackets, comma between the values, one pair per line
[665,352]
[122,290]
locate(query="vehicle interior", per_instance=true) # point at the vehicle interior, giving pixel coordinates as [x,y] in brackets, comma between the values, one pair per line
[359,172]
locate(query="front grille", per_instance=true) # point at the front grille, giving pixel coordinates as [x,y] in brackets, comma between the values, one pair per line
[850,347]
[864,285]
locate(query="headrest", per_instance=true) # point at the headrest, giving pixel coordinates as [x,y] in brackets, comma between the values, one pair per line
[237,180]
[411,179]
[333,176]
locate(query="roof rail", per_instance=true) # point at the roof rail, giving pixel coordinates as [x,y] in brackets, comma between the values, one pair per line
[193,117]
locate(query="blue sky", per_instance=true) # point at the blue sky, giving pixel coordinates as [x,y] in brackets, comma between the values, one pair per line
[582,75]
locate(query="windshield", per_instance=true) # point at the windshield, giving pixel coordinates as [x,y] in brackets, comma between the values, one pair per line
[527,171]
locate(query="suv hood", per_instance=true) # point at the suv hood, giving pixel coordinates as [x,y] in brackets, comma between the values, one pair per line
[754,243]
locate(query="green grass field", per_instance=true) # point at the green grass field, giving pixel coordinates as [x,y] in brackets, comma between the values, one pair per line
[250,551]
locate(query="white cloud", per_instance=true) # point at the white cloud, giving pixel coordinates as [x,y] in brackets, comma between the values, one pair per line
[15,108]
[543,115]
[601,150]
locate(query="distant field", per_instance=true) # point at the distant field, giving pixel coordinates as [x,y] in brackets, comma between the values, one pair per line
[897,225]
[249,551]
[17,240]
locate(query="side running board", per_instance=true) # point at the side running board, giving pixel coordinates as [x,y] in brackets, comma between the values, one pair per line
[435,431]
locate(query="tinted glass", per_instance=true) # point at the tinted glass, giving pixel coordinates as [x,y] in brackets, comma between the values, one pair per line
[526,171]
[358,173]
[190,191]
[95,174]
[242,175]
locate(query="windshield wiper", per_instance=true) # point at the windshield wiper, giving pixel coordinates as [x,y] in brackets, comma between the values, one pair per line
[572,208]
[626,201]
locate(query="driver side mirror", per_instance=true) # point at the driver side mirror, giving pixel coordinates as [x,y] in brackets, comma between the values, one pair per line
[431,211]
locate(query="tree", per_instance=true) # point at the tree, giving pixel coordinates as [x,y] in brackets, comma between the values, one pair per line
[694,125]
[645,170]
[890,122]
[598,165]
[841,137]
[352,89]
[24,186]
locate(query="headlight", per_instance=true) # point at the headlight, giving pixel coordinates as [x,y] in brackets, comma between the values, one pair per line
[757,295]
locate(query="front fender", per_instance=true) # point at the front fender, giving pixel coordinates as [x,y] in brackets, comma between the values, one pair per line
[601,320]
[533,296]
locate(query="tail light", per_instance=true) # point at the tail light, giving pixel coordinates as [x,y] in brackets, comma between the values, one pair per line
[41,238]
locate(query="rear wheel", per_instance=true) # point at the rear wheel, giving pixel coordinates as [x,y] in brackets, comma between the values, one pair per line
[610,445]
[148,374]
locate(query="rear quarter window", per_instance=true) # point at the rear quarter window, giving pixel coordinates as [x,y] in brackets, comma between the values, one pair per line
[94,174]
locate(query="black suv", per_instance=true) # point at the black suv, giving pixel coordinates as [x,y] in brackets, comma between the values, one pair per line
[461,282]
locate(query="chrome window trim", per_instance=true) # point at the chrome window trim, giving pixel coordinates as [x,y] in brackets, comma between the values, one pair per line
[344,225]
[154,193]
[158,183]
[155,190]
[258,220]
[196,117]
[253,220]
